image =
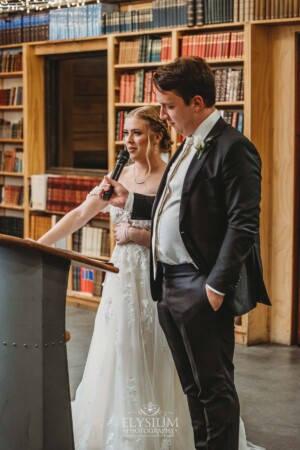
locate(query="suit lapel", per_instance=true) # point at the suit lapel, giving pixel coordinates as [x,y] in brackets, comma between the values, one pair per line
[196,164]
[193,169]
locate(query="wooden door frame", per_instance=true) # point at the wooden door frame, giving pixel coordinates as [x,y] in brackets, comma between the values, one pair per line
[296,239]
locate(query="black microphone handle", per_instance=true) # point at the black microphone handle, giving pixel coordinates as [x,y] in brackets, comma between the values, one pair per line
[115,176]
[107,194]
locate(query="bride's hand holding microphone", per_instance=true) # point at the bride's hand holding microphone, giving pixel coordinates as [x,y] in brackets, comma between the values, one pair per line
[113,191]
[120,193]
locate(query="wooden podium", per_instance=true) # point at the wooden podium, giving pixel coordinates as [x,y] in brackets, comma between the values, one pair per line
[35,408]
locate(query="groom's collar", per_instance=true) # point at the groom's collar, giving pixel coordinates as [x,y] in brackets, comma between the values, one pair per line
[207,125]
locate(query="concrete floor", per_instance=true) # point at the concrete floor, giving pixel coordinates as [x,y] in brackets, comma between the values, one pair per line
[267,379]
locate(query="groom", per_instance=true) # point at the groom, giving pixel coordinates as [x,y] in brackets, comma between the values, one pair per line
[205,257]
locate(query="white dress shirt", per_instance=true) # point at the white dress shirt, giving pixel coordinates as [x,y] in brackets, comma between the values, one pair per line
[167,244]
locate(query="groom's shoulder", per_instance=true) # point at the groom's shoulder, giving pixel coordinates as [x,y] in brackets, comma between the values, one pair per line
[231,137]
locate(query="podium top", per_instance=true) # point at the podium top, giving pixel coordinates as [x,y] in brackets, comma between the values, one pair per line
[66,254]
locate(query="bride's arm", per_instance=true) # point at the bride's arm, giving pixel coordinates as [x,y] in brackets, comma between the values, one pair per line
[74,220]
[124,232]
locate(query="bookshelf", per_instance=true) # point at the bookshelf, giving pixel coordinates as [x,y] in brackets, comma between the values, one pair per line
[51,197]
[12,176]
[268,120]
[226,48]
[134,59]
[118,104]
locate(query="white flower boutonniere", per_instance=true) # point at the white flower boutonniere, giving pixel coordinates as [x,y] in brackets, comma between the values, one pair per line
[201,145]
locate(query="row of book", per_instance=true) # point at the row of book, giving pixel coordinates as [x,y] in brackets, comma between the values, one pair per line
[11,160]
[24,28]
[137,87]
[162,14]
[94,20]
[127,21]
[206,12]
[229,84]
[92,241]
[120,116]
[60,193]
[89,240]
[243,10]
[219,11]
[79,22]
[12,96]
[234,118]
[13,226]
[214,45]
[145,49]
[40,224]
[11,194]
[171,13]
[98,19]
[10,61]
[276,9]
[10,130]
[87,281]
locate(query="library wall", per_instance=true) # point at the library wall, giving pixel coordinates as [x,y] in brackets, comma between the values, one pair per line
[83,112]
[268,109]
[260,130]
[283,182]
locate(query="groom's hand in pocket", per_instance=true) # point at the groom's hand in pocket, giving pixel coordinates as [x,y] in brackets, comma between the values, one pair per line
[214,299]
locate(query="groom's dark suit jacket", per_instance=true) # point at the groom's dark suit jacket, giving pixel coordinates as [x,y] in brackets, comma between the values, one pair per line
[219,218]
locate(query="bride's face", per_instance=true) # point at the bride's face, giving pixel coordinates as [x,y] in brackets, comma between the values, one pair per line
[135,135]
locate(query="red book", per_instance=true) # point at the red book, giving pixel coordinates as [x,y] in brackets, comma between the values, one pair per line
[184,47]
[226,45]
[202,45]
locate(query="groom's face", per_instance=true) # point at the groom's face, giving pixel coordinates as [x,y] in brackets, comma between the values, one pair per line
[173,109]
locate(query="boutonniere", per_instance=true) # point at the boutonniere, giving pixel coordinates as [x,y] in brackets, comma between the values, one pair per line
[202,144]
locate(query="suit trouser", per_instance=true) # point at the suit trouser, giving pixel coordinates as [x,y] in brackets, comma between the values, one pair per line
[202,344]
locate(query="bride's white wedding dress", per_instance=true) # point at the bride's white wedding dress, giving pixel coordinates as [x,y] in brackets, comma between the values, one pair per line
[130,397]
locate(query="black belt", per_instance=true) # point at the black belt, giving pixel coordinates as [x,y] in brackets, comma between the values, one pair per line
[179,268]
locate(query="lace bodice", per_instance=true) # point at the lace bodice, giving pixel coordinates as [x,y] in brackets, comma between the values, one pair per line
[119,215]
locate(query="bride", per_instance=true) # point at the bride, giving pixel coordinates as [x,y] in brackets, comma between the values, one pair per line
[130,397]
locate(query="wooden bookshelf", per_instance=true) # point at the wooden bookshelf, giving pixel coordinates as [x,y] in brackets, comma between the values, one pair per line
[11,174]
[13,115]
[11,206]
[11,108]
[11,141]
[11,74]
[82,300]
[269,121]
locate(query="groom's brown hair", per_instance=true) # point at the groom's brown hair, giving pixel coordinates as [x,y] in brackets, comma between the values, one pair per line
[187,77]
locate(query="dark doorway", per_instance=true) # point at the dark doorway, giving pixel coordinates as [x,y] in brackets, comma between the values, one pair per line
[76,89]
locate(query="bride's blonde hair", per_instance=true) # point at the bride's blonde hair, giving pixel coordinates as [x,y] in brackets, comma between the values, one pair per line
[154,124]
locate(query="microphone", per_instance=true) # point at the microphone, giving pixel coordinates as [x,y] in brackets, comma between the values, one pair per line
[122,159]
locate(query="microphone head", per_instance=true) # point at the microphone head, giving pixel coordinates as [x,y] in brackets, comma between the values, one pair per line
[123,155]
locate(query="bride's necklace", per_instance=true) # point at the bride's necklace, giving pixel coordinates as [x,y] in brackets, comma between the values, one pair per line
[139,182]
[144,181]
